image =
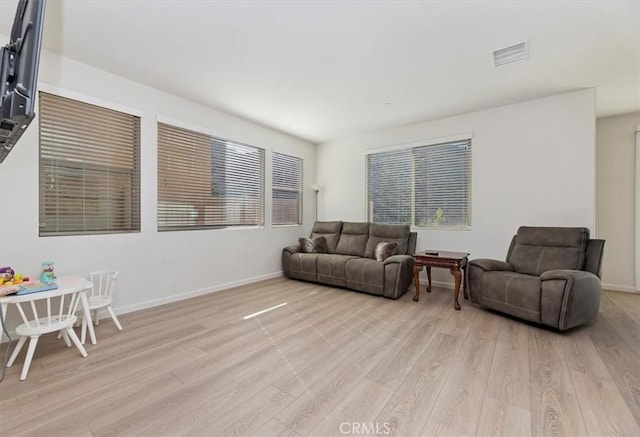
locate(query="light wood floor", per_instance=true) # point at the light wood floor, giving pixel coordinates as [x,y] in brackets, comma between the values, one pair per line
[329,361]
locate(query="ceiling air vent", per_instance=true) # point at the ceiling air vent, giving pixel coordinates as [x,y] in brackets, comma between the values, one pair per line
[511,55]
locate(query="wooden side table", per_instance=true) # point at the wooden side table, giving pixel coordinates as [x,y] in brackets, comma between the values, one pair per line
[456,262]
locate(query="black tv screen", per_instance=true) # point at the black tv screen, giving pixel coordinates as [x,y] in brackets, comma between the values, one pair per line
[19,61]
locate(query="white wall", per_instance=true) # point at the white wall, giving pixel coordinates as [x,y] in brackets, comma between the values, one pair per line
[154,267]
[615,198]
[533,163]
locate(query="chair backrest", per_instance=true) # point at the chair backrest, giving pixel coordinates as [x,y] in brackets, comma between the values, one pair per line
[330,231]
[48,308]
[535,250]
[103,282]
[593,258]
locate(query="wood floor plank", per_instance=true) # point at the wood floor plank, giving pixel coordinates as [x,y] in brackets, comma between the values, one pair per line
[192,407]
[253,413]
[75,415]
[57,400]
[626,326]
[603,409]
[622,363]
[393,367]
[459,404]
[196,367]
[409,407]
[554,404]
[630,302]
[304,414]
[358,410]
[506,408]
[275,428]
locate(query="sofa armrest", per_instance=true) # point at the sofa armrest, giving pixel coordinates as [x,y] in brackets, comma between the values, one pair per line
[286,255]
[569,297]
[294,248]
[491,265]
[398,259]
[398,275]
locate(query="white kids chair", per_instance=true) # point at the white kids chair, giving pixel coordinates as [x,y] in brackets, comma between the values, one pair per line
[101,296]
[58,317]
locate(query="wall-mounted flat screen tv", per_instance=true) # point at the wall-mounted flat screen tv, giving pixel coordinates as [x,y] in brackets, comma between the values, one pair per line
[19,61]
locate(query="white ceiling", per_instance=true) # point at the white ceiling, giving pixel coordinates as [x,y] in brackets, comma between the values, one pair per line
[323,70]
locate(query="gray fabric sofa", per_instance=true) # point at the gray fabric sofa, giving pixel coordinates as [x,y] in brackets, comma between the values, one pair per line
[350,261]
[551,276]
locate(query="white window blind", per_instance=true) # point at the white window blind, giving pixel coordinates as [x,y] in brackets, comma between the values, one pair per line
[89,168]
[286,190]
[207,182]
[425,186]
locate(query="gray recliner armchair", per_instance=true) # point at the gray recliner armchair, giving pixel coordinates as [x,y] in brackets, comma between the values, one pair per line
[551,276]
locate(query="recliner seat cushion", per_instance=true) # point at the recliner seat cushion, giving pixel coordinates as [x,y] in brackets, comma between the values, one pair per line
[353,239]
[539,249]
[513,293]
[391,233]
[331,233]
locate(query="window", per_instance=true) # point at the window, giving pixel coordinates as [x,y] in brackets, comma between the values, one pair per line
[89,168]
[427,186]
[207,182]
[286,191]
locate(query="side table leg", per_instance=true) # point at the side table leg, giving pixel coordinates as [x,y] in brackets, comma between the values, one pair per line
[416,282]
[457,275]
[429,278]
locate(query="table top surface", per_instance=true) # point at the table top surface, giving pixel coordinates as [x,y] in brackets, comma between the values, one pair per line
[66,284]
[441,254]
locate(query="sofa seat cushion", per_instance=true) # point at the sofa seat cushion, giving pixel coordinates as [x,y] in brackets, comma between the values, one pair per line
[332,269]
[304,266]
[353,239]
[379,233]
[365,275]
[514,293]
[330,231]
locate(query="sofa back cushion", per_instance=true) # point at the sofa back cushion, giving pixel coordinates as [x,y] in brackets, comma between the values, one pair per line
[353,239]
[330,231]
[391,233]
[538,249]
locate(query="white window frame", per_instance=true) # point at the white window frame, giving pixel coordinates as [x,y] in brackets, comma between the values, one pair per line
[219,137]
[419,144]
[105,104]
[300,191]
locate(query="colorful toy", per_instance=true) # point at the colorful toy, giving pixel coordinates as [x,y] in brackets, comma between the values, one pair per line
[47,276]
[6,274]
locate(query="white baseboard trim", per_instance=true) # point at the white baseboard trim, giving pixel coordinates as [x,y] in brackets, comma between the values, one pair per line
[173,298]
[189,294]
[625,288]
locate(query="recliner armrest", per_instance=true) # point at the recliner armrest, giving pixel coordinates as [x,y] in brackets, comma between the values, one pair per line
[569,298]
[491,265]
[294,248]
[569,275]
